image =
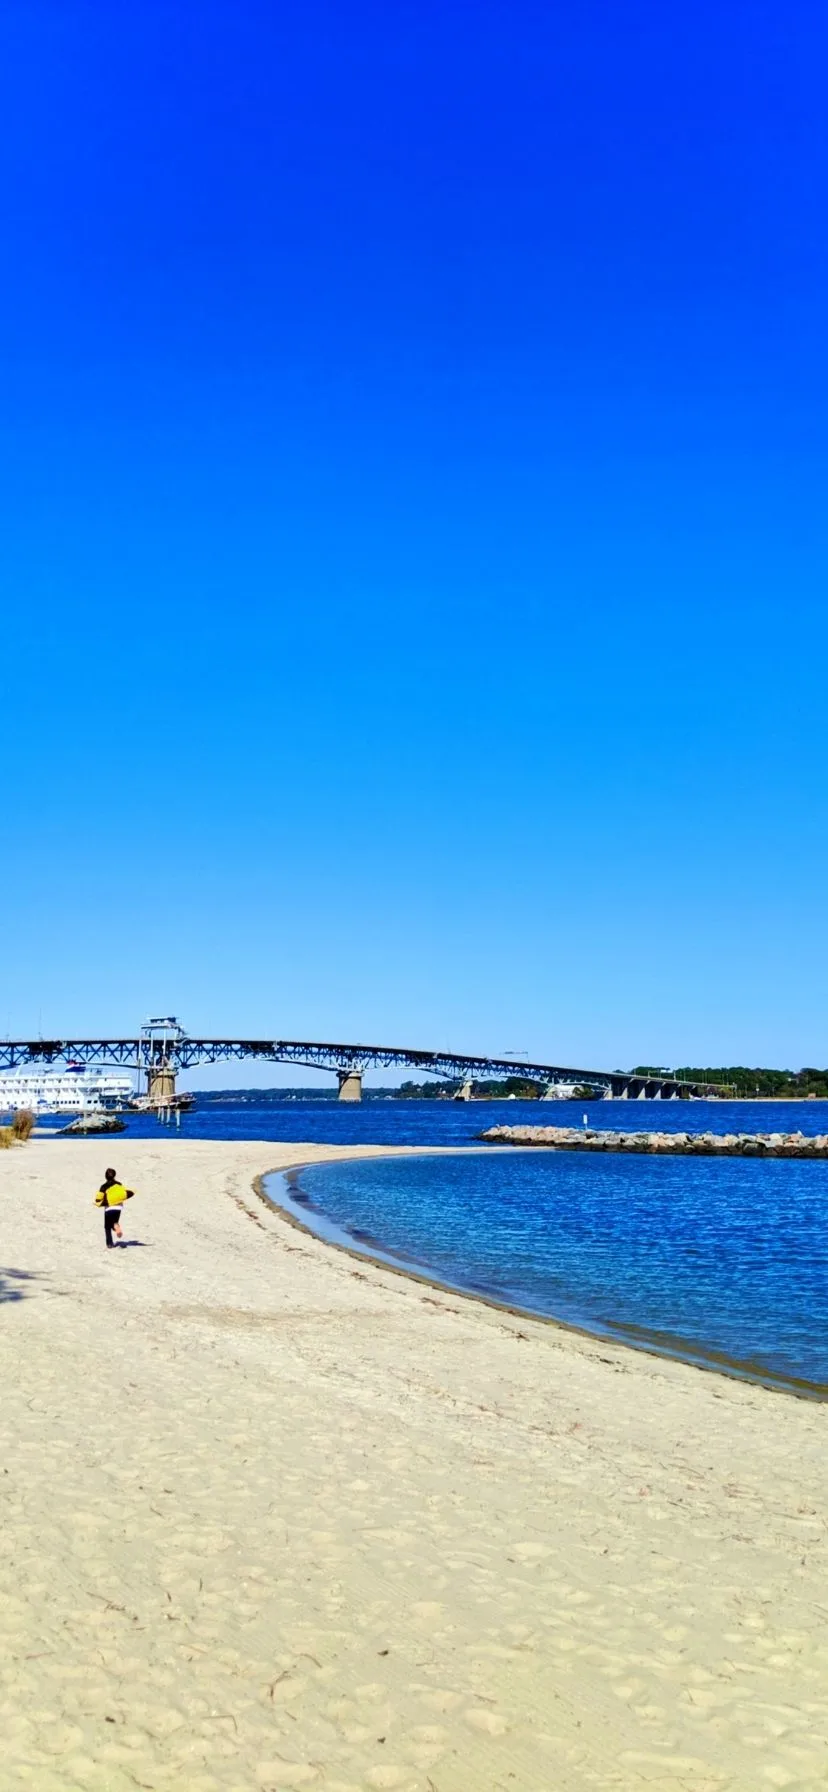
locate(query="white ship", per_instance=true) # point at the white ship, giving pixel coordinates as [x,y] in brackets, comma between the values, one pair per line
[76,1090]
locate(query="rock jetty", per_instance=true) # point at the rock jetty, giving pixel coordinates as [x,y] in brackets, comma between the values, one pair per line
[95,1123]
[695,1144]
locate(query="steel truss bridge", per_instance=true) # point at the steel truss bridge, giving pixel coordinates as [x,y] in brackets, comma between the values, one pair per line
[161,1055]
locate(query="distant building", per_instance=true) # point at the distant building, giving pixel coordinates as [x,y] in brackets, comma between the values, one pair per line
[71,1091]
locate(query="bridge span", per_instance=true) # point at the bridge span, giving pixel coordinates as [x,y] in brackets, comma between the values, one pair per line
[162,1049]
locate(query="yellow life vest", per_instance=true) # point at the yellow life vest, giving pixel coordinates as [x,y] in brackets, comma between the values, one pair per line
[112,1195]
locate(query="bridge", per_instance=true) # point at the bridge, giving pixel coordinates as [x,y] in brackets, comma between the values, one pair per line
[162,1049]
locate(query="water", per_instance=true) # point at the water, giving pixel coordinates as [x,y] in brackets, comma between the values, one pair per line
[719,1260]
[386,1122]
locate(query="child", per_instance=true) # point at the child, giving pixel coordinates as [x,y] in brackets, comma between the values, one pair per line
[111,1196]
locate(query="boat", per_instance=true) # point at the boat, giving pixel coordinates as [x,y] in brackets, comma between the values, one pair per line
[75,1090]
[144,1104]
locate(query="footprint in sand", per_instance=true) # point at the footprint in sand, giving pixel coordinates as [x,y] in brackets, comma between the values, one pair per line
[271,1775]
[490,1722]
[441,1699]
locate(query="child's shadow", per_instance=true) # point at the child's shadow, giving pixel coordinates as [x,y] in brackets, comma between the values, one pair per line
[133,1244]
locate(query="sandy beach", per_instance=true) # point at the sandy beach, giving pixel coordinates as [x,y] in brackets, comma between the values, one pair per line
[274,1517]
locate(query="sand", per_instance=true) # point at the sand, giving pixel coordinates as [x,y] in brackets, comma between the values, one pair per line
[272,1517]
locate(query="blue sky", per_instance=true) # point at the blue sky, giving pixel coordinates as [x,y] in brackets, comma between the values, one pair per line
[413,524]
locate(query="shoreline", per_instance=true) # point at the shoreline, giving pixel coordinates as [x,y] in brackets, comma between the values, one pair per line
[662,1346]
[324,1526]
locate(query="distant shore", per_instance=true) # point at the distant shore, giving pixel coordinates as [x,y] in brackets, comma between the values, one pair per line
[276,1097]
[325,1526]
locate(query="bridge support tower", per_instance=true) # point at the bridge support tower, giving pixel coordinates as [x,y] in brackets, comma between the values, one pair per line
[350,1085]
[161,1086]
[159,1046]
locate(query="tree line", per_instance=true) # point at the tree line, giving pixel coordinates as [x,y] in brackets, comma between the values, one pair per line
[744,1081]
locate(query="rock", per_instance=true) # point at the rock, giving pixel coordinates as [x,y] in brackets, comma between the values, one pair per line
[95,1123]
[704,1144]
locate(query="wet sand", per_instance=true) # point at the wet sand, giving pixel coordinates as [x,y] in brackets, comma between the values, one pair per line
[273,1517]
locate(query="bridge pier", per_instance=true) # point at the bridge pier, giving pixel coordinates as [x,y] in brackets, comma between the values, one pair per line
[464,1094]
[350,1085]
[161,1086]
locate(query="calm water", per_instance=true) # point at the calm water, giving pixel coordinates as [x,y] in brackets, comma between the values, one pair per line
[709,1258]
[458,1122]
